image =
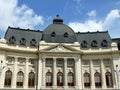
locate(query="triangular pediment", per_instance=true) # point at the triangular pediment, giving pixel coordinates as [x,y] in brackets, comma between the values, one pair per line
[59,48]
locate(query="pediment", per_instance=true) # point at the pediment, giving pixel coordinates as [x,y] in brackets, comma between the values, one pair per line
[59,48]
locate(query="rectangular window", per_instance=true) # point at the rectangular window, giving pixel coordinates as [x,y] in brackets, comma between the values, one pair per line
[70,62]
[21,61]
[49,62]
[32,61]
[10,60]
[59,62]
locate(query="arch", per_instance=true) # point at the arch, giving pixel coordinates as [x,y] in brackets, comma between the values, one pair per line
[31,79]
[66,34]
[97,79]
[70,79]
[104,43]
[33,42]
[94,43]
[8,78]
[12,40]
[109,81]
[20,78]
[86,79]
[59,79]
[22,41]
[53,34]
[48,78]
[84,44]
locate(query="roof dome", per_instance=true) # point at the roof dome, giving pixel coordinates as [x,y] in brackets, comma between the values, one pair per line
[59,32]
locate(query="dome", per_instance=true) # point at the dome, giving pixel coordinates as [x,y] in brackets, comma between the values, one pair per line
[59,32]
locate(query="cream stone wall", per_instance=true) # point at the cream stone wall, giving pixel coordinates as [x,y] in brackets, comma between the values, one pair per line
[85,60]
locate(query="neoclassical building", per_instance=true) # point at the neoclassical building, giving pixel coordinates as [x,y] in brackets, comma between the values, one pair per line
[58,58]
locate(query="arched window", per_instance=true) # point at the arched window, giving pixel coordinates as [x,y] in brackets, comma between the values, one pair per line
[33,42]
[12,40]
[109,81]
[20,78]
[86,79]
[31,80]
[53,34]
[8,78]
[97,79]
[22,41]
[66,34]
[94,43]
[84,44]
[48,79]
[104,43]
[70,79]
[59,79]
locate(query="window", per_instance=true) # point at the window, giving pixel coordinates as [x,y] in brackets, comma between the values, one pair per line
[70,79]
[104,43]
[97,79]
[70,62]
[86,79]
[33,42]
[59,62]
[84,44]
[12,40]
[66,35]
[109,81]
[49,62]
[95,62]
[59,79]
[48,79]
[22,41]
[32,61]
[107,62]
[20,78]
[94,43]
[21,61]
[53,34]
[10,60]
[85,62]
[31,80]
[8,78]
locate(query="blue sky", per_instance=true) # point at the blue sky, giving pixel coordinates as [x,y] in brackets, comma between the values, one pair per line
[80,15]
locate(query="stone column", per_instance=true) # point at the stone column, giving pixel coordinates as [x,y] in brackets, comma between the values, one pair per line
[92,75]
[39,73]
[103,74]
[65,73]
[14,79]
[43,74]
[54,74]
[26,73]
[78,84]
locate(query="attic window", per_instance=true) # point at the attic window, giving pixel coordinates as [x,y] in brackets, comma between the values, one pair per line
[33,42]
[66,34]
[94,43]
[22,41]
[104,43]
[53,34]
[84,44]
[12,40]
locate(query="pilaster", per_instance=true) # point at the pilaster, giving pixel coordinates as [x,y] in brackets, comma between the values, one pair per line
[65,73]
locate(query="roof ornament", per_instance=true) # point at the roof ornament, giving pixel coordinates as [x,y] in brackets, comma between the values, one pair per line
[57,20]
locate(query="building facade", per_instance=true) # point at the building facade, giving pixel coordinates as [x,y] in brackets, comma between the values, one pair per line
[58,58]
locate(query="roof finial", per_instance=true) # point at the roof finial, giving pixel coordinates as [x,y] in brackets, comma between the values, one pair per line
[57,15]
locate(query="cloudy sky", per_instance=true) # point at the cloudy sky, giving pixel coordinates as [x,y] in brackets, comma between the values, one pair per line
[81,15]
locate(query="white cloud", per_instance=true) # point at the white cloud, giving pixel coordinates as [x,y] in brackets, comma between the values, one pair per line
[18,16]
[89,25]
[92,13]
[110,23]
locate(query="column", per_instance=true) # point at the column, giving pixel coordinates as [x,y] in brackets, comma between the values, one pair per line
[43,73]
[92,75]
[103,74]
[65,73]
[39,74]
[54,74]
[14,79]
[78,84]
[26,73]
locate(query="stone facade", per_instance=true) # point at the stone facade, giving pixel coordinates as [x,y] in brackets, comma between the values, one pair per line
[58,65]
